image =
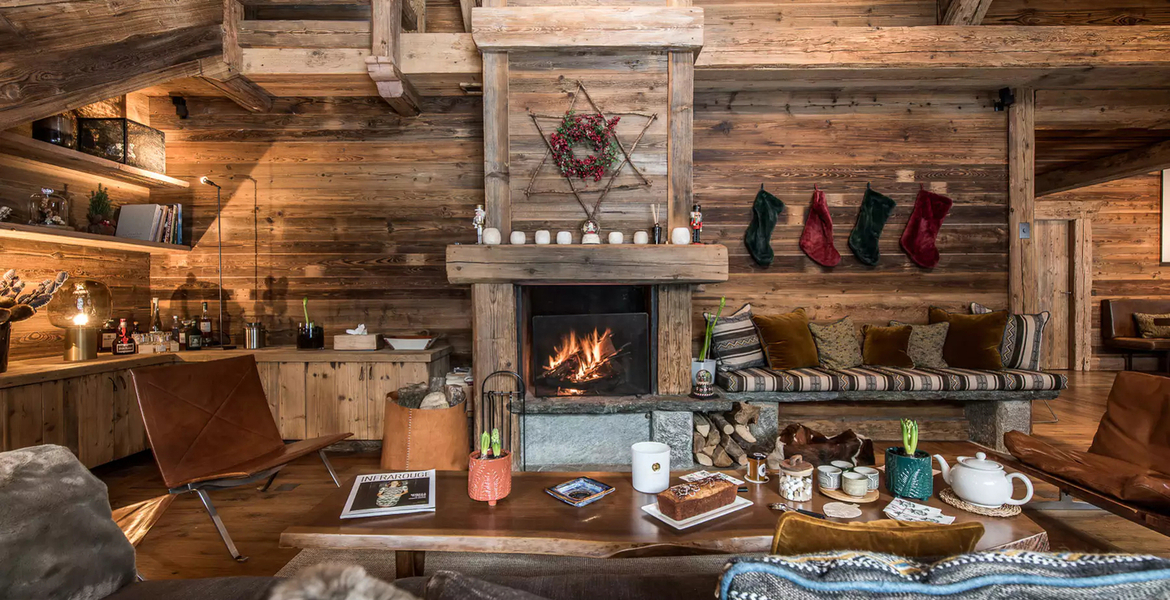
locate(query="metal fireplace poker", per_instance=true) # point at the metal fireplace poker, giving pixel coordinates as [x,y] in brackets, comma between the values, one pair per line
[495,410]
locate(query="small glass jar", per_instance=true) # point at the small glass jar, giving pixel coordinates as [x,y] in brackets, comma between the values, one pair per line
[49,208]
[796,479]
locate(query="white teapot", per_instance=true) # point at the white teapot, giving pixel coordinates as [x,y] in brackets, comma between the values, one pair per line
[982,482]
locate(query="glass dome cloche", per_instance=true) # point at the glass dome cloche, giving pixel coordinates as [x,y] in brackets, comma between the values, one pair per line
[80,307]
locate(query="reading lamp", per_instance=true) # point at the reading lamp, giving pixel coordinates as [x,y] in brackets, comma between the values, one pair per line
[219,232]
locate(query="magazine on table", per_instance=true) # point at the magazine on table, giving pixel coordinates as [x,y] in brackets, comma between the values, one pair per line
[384,494]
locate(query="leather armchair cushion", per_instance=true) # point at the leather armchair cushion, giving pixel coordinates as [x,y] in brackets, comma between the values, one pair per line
[1110,476]
[1136,425]
[802,534]
[1134,343]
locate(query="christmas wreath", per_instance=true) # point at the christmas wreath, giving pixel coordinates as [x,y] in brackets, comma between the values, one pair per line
[592,130]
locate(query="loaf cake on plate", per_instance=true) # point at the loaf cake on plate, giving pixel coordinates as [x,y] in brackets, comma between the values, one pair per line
[687,500]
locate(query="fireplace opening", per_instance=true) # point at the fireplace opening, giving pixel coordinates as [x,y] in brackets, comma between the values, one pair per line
[589,340]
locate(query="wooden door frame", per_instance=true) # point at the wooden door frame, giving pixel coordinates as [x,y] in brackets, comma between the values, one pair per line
[1080,218]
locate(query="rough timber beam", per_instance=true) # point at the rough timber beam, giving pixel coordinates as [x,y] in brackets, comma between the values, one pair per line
[963,12]
[224,74]
[588,28]
[386,55]
[39,85]
[1138,161]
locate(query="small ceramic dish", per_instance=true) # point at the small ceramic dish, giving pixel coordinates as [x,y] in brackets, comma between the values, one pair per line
[580,491]
[410,342]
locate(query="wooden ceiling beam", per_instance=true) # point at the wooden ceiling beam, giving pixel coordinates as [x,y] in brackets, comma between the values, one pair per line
[587,28]
[224,74]
[1098,110]
[40,85]
[412,18]
[386,55]
[1139,161]
[962,12]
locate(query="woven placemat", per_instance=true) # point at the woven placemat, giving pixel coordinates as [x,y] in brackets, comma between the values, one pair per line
[1007,510]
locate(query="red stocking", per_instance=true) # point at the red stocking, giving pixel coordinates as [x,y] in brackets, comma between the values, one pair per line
[817,238]
[921,233]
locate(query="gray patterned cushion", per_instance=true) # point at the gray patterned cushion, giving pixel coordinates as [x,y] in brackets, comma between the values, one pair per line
[887,379]
[735,343]
[990,575]
[926,343]
[837,344]
[1023,338]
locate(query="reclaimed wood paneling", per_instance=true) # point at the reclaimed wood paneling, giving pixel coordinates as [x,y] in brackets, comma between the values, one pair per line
[337,200]
[952,143]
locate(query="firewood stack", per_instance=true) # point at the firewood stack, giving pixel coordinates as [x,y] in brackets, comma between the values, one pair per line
[724,440]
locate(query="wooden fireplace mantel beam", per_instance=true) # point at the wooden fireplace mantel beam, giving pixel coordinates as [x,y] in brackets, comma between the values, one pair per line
[588,28]
[626,263]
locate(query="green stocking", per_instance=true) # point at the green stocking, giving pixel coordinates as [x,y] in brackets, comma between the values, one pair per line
[871,218]
[758,237]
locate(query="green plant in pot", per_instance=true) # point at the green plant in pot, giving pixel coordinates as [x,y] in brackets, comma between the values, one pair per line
[489,477]
[908,469]
[101,212]
[703,363]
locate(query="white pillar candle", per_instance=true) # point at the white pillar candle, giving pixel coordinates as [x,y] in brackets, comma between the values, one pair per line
[543,237]
[680,236]
[651,467]
[491,236]
[591,238]
[518,238]
[641,237]
[564,238]
[616,237]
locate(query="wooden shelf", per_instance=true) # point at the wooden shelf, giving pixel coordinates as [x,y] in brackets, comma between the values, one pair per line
[42,152]
[46,234]
[594,263]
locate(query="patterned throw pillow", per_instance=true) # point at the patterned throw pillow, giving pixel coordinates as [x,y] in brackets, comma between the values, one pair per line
[926,344]
[1023,339]
[837,344]
[1152,326]
[976,575]
[735,341]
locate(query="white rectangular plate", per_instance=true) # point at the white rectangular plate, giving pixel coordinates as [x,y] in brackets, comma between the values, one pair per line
[740,502]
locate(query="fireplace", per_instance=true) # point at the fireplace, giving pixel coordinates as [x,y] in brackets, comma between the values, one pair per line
[588,340]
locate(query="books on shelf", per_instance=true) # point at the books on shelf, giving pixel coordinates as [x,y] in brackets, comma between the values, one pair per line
[151,222]
[391,494]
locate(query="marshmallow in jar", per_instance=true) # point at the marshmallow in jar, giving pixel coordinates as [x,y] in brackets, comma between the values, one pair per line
[796,479]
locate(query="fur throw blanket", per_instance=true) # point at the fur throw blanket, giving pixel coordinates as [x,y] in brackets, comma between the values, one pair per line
[337,582]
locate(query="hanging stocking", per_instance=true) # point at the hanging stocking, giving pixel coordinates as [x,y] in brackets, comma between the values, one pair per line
[758,237]
[871,219]
[921,233]
[817,238]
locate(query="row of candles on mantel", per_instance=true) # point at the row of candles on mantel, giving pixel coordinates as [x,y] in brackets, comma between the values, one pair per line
[492,236]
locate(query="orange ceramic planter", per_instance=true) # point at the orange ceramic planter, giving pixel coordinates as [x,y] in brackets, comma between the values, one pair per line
[490,479]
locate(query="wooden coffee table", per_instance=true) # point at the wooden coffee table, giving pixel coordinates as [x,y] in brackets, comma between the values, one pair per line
[529,521]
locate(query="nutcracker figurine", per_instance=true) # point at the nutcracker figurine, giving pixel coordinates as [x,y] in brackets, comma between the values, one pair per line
[696,223]
[478,222]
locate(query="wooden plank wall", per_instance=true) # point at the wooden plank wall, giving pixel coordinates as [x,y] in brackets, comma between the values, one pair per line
[954,144]
[1126,250]
[337,200]
[619,84]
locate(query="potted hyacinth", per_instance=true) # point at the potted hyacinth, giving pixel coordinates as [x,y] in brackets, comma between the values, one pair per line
[908,469]
[489,476]
[703,363]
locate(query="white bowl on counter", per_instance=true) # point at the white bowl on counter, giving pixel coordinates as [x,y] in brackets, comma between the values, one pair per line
[418,342]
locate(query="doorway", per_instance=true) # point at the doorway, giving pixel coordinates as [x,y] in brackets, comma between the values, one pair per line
[1064,261]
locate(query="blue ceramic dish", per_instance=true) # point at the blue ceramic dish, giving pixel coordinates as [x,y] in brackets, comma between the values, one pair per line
[580,491]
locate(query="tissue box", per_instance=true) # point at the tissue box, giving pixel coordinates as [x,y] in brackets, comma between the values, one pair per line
[368,341]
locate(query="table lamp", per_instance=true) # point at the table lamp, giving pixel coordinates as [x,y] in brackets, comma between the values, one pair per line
[80,308]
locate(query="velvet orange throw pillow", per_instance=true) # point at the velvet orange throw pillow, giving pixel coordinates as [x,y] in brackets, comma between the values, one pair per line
[788,343]
[887,346]
[972,340]
[802,534]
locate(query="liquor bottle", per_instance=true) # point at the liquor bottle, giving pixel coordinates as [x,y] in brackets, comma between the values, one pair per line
[205,326]
[194,337]
[178,332]
[155,318]
[125,343]
[108,335]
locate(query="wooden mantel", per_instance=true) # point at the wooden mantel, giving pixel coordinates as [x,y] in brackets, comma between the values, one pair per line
[601,263]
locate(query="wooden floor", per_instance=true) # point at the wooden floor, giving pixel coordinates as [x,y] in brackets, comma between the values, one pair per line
[184,544]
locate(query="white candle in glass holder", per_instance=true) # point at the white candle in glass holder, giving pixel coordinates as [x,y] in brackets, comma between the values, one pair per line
[616,237]
[680,236]
[543,237]
[641,237]
[518,238]
[651,467]
[564,238]
[491,236]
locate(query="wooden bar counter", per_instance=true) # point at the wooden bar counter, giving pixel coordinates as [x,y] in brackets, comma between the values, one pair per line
[90,407]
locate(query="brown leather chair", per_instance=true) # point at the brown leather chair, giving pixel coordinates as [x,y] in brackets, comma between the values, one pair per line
[1127,468]
[210,427]
[1119,331]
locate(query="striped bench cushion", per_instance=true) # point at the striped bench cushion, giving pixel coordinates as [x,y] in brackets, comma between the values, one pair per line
[886,379]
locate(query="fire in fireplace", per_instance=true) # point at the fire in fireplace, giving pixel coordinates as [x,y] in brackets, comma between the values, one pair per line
[577,350]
